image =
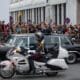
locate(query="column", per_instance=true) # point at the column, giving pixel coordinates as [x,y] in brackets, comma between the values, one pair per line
[42,14]
[62,15]
[36,15]
[47,14]
[25,16]
[14,17]
[32,15]
[28,14]
[58,14]
[71,8]
[50,11]
[53,12]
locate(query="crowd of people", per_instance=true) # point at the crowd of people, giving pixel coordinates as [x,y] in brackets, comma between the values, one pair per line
[47,28]
[44,27]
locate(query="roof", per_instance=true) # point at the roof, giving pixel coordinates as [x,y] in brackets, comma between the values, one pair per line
[53,2]
[32,34]
[23,34]
[27,4]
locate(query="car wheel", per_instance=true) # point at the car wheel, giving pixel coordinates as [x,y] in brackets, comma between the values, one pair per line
[72,58]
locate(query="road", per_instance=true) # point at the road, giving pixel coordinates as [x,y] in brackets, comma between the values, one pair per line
[73,73]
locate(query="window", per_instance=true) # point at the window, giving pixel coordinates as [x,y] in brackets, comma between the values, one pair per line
[55,40]
[64,5]
[40,14]
[29,14]
[35,15]
[44,13]
[64,41]
[60,12]
[51,40]
[56,14]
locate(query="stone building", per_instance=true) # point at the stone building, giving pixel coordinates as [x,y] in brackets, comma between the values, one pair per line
[45,10]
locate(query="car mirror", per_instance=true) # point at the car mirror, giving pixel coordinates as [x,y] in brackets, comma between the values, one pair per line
[73,40]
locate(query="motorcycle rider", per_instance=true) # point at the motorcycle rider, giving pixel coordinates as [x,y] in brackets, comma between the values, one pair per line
[40,42]
[39,51]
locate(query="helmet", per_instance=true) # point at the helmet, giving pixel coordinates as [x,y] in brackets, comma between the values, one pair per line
[39,36]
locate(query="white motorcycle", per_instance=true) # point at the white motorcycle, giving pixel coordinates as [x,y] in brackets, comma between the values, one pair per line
[19,64]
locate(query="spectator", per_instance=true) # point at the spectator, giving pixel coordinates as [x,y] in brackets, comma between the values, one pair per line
[18,28]
[45,28]
[32,28]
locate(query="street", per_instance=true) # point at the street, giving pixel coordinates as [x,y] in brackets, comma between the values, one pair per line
[73,73]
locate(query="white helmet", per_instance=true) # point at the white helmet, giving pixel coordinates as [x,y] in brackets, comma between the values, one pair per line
[39,36]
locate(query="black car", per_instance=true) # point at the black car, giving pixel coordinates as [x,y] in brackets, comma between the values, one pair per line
[51,41]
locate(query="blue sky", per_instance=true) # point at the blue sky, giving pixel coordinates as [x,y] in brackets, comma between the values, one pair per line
[4,10]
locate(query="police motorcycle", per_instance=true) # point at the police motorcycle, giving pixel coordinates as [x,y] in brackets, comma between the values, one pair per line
[20,64]
[28,62]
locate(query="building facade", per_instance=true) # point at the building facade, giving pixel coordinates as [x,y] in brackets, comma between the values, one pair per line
[45,10]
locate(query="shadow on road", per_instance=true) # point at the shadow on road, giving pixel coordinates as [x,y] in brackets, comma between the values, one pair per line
[75,79]
[36,77]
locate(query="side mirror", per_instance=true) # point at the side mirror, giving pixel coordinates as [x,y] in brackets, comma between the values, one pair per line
[73,40]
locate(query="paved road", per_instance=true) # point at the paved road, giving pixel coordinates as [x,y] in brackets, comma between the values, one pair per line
[73,73]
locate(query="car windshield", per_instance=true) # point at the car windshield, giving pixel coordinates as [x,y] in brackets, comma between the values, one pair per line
[17,41]
[11,40]
[21,41]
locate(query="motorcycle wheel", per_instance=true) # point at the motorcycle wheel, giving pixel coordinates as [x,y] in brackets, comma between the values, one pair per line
[52,74]
[7,74]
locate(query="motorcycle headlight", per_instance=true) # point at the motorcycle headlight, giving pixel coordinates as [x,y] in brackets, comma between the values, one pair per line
[18,50]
